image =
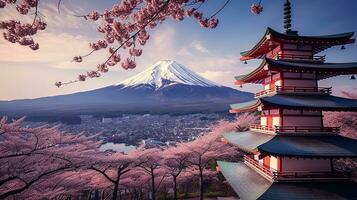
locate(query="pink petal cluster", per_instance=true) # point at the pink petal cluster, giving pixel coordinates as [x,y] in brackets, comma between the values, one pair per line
[102,68]
[256,9]
[128,64]
[82,77]
[94,15]
[93,74]
[135,52]
[58,84]
[18,32]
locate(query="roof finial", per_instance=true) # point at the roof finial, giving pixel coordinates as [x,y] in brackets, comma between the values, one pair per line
[287,16]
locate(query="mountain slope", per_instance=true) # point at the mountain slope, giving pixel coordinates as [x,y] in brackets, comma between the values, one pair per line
[165,73]
[165,87]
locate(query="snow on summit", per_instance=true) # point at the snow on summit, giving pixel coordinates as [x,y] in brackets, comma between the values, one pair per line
[167,72]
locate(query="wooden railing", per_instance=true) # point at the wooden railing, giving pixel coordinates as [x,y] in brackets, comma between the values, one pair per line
[262,127]
[288,175]
[306,129]
[295,129]
[309,174]
[301,57]
[258,166]
[324,90]
[295,89]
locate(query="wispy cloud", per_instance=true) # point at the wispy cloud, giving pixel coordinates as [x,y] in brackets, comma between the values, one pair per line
[198,45]
[54,48]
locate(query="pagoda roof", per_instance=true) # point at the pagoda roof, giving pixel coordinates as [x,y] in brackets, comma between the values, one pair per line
[322,70]
[308,102]
[248,184]
[312,145]
[320,43]
[247,141]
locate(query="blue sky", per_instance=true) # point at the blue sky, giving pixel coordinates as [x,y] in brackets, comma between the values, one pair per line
[211,53]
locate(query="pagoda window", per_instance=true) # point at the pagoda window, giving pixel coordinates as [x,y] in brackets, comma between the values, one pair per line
[299,54]
[291,75]
[301,120]
[311,112]
[309,165]
[274,163]
[263,121]
[274,112]
[291,112]
[304,47]
[290,46]
[308,75]
[276,121]
[289,84]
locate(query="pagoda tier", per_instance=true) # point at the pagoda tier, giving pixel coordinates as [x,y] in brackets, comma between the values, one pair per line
[290,102]
[285,44]
[298,146]
[292,70]
[251,185]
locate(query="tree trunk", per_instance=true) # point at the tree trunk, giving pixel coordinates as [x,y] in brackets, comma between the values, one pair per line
[175,187]
[96,195]
[153,196]
[201,183]
[116,186]
[115,191]
[89,195]
[102,195]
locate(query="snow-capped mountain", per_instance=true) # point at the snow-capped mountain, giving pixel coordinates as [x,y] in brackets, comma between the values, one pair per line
[165,87]
[167,72]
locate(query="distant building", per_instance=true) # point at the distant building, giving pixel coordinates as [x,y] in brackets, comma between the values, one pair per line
[106,120]
[85,116]
[151,143]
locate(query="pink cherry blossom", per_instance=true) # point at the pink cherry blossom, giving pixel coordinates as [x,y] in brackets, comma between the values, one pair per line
[256,9]
[82,77]
[58,84]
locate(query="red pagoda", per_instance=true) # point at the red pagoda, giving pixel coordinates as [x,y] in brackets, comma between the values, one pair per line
[290,154]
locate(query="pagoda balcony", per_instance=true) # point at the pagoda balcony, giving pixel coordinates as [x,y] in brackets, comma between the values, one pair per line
[296,57]
[273,175]
[294,129]
[295,90]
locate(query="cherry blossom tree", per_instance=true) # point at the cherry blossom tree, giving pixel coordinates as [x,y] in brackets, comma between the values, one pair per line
[175,161]
[30,155]
[206,149]
[151,162]
[113,167]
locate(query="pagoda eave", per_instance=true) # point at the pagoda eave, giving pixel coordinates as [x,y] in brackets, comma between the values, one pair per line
[248,184]
[272,39]
[308,102]
[322,70]
[245,106]
[290,145]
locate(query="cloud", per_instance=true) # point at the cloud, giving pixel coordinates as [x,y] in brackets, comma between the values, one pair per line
[54,49]
[198,45]
[218,76]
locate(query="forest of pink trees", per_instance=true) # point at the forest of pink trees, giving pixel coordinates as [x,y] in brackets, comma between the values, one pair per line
[46,163]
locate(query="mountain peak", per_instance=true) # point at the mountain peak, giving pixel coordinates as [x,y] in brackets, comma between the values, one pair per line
[167,72]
